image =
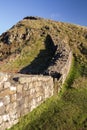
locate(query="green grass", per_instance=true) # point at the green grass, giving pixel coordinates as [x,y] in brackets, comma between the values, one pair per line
[65,112]
[68,110]
[27,55]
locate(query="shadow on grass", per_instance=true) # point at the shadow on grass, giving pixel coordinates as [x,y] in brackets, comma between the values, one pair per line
[43,59]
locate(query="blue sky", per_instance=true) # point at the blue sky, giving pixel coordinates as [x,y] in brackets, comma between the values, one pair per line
[71,11]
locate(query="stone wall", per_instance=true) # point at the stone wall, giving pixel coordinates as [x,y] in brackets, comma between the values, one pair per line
[66,68]
[61,58]
[58,83]
[64,72]
[60,64]
[20,94]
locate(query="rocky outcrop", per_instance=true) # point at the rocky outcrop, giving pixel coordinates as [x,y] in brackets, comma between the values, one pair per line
[32,18]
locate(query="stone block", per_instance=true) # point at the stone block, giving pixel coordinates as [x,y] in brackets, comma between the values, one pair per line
[6,118]
[6,99]
[1,87]
[1,102]
[11,106]
[19,96]
[7,84]
[39,93]
[21,102]
[13,88]
[26,87]
[26,102]
[2,110]
[23,80]
[32,91]
[13,114]
[0,120]
[13,97]
[15,121]
[2,126]
[30,85]
[39,98]
[26,93]
[4,93]
[19,88]
[3,77]
[27,110]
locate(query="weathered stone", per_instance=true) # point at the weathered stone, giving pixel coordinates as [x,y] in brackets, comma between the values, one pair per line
[1,86]
[11,106]
[7,124]
[3,77]
[4,93]
[13,114]
[2,110]
[19,88]
[26,93]
[7,84]
[13,97]
[13,88]
[21,107]
[21,102]
[26,102]
[6,118]
[2,126]
[27,110]
[32,91]
[26,86]
[30,85]
[33,105]
[39,98]
[39,94]
[23,80]
[19,96]
[6,100]
[0,120]
[1,103]
[15,121]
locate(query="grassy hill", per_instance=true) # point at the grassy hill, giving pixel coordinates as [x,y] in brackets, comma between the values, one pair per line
[20,45]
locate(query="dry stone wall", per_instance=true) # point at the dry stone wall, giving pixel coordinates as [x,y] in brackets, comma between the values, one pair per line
[60,63]
[20,94]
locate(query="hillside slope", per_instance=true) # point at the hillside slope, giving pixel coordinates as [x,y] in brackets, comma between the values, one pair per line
[35,36]
[29,47]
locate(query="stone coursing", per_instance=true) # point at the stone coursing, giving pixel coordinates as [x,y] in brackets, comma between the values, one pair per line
[20,94]
[60,63]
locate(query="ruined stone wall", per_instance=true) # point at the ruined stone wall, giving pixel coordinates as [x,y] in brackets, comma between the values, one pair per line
[20,94]
[58,83]
[60,63]
[66,68]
